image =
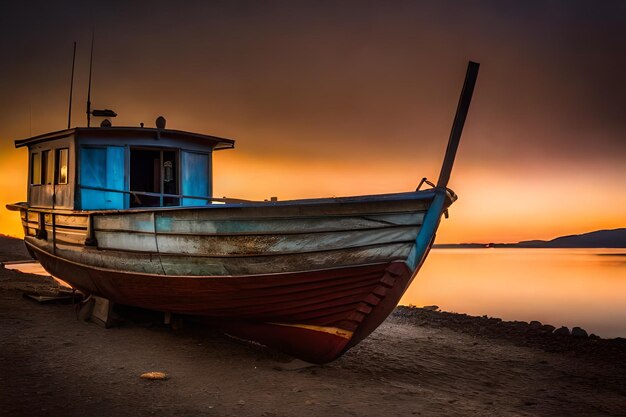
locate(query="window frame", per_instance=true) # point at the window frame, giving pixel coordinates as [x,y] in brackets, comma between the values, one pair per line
[35,161]
[47,167]
[57,166]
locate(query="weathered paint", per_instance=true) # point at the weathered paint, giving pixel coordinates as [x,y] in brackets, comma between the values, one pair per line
[306,304]
[254,244]
[203,223]
[237,239]
[181,264]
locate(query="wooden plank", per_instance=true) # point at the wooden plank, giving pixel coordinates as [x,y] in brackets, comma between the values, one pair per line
[236,265]
[276,244]
[74,221]
[227,245]
[191,223]
[140,222]
[70,236]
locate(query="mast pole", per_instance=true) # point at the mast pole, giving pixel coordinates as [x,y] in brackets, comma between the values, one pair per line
[89,88]
[69,111]
[459,120]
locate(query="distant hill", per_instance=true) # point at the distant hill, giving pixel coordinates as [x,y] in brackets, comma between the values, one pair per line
[615,238]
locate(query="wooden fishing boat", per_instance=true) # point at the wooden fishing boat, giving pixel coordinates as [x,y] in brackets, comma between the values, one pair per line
[127,214]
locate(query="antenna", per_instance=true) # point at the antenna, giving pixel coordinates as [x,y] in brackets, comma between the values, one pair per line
[89,89]
[69,111]
[96,113]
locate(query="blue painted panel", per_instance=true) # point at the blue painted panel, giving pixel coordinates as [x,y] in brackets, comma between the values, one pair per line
[427,232]
[195,178]
[115,177]
[103,168]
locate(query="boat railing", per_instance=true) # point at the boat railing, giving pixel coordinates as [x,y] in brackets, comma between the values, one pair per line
[164,195]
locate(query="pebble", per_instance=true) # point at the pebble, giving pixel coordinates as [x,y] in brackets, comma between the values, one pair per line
[155,376]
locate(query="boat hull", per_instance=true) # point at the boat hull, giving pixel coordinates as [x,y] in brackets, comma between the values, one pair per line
[311,278]
[313,315]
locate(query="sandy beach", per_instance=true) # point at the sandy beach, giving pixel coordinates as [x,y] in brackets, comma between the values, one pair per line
[419,362]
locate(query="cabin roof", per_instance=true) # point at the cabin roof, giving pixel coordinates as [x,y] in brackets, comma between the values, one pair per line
[116,134]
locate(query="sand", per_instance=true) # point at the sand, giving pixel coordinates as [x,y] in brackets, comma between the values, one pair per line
[418,362]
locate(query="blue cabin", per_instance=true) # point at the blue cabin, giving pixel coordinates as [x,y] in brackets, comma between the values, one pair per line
[118,168]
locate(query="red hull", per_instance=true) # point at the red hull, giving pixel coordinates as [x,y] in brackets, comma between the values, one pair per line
[313,315]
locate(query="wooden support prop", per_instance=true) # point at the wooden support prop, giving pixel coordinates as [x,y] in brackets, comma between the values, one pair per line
[102,313]
[459,121]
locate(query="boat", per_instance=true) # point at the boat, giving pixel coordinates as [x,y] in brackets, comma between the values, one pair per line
[128,214]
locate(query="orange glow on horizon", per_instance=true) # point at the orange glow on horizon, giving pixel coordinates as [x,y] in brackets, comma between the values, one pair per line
[516,204]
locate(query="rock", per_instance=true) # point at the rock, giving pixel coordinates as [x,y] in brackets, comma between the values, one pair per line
[547,328]
[562,331]
[155,376]
[430,308]
[535,324]
[579,332]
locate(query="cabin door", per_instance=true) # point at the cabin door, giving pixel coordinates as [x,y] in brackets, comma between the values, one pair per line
[196,178]
[153,178]
[102,178]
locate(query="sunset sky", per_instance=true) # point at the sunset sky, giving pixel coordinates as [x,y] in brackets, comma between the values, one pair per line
[335,98]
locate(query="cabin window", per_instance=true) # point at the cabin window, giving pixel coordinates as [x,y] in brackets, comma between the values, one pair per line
[62,160]
[35,169]
[47,167]
[195,178]
[102,177]
[153,177]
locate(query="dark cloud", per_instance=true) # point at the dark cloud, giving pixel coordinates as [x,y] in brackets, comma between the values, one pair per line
[298,77]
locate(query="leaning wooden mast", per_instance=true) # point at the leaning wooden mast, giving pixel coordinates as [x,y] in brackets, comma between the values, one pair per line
[426,235]
[459,121]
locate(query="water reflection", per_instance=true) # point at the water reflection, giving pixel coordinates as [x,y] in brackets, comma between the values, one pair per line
[571,287]
[34,267]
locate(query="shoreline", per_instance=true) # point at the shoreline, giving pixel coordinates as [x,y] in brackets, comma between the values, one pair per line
[520,333]
[418,362]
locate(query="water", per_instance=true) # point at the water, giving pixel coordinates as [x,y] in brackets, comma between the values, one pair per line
[569,287]
[28,267]
[35,268]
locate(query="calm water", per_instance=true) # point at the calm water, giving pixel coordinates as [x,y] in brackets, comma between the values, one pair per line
[570,287]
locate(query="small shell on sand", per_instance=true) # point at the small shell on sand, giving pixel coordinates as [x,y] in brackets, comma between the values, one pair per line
[155,376]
